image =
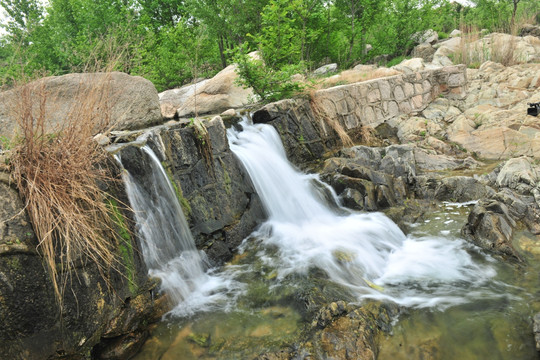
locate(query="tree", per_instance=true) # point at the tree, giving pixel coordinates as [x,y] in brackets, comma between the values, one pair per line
[23,17]
[361,14]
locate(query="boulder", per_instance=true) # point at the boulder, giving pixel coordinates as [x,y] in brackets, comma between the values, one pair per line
[325,69]
[171,100]
[216,95]
[455,33]
[490,226]
[127,102]
[429,36]
[530,30]
[410,65]
[424,51]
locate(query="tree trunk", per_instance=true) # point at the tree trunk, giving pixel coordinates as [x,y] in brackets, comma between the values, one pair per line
[512,21]
[222,52]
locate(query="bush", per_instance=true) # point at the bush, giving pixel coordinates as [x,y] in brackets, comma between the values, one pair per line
[267,83]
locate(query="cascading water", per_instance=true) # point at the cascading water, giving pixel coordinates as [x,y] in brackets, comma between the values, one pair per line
[367,253]
[167,244]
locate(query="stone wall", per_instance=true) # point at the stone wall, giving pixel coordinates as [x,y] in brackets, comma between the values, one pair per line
[308,134]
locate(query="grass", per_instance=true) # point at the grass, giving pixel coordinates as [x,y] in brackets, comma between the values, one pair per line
[62,176]
[320,113]
[475,50]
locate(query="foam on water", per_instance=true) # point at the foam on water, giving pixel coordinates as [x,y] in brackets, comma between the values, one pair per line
[365,252]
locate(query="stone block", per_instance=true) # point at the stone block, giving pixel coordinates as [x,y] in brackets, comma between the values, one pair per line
[399,95]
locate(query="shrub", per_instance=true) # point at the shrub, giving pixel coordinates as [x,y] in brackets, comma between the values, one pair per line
[268,84]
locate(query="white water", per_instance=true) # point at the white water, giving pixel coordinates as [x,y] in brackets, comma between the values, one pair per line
[365,252]
[168,247]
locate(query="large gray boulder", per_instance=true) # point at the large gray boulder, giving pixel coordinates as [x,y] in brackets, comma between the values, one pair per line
[216,95]
[125,102]
[171,100]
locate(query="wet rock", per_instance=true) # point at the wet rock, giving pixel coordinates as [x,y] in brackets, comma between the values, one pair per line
[490,226]
[536,329]
[349,333]
[124,347]
[223,207]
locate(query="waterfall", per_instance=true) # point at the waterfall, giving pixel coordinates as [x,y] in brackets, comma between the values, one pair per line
[365,252]
[167,244]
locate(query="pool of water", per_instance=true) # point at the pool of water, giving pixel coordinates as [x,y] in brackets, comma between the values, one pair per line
[490,328]
[269,313]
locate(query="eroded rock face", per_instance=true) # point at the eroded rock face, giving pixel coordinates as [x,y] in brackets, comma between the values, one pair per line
[130,102]
[492,221]
[33,327]
[370,178]
[216,194]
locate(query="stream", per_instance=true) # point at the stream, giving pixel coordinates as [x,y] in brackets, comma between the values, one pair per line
[456,301]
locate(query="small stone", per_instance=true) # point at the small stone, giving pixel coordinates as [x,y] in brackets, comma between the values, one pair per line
[230,112]
[102,140]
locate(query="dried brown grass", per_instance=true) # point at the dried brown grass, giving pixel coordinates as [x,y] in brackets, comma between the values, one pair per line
[320,112]
[475,50]
[60,172]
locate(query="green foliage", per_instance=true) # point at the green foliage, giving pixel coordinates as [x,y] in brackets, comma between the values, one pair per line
[172,42]
[269,84]
[396,61]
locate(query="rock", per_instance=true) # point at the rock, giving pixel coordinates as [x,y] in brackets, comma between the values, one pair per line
[424,51]
[519,174]
[490,226]
[102,140]
[216,95]
[230,112]
[454,33]
[129,102]
[171,100]
[220,203]
[530,30]
[410,65]
[536,330]
[348,333]
[32,327]
[429,36]
[325,69]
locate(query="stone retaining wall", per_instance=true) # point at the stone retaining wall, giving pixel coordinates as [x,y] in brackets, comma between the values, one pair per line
[307,135]
[370,103]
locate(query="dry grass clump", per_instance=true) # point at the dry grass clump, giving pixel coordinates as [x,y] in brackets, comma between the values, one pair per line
[60,173]
[320,112]
[475,50]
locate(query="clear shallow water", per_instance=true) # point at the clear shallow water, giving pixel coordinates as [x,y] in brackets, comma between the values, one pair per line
[462,303]
[489,328]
